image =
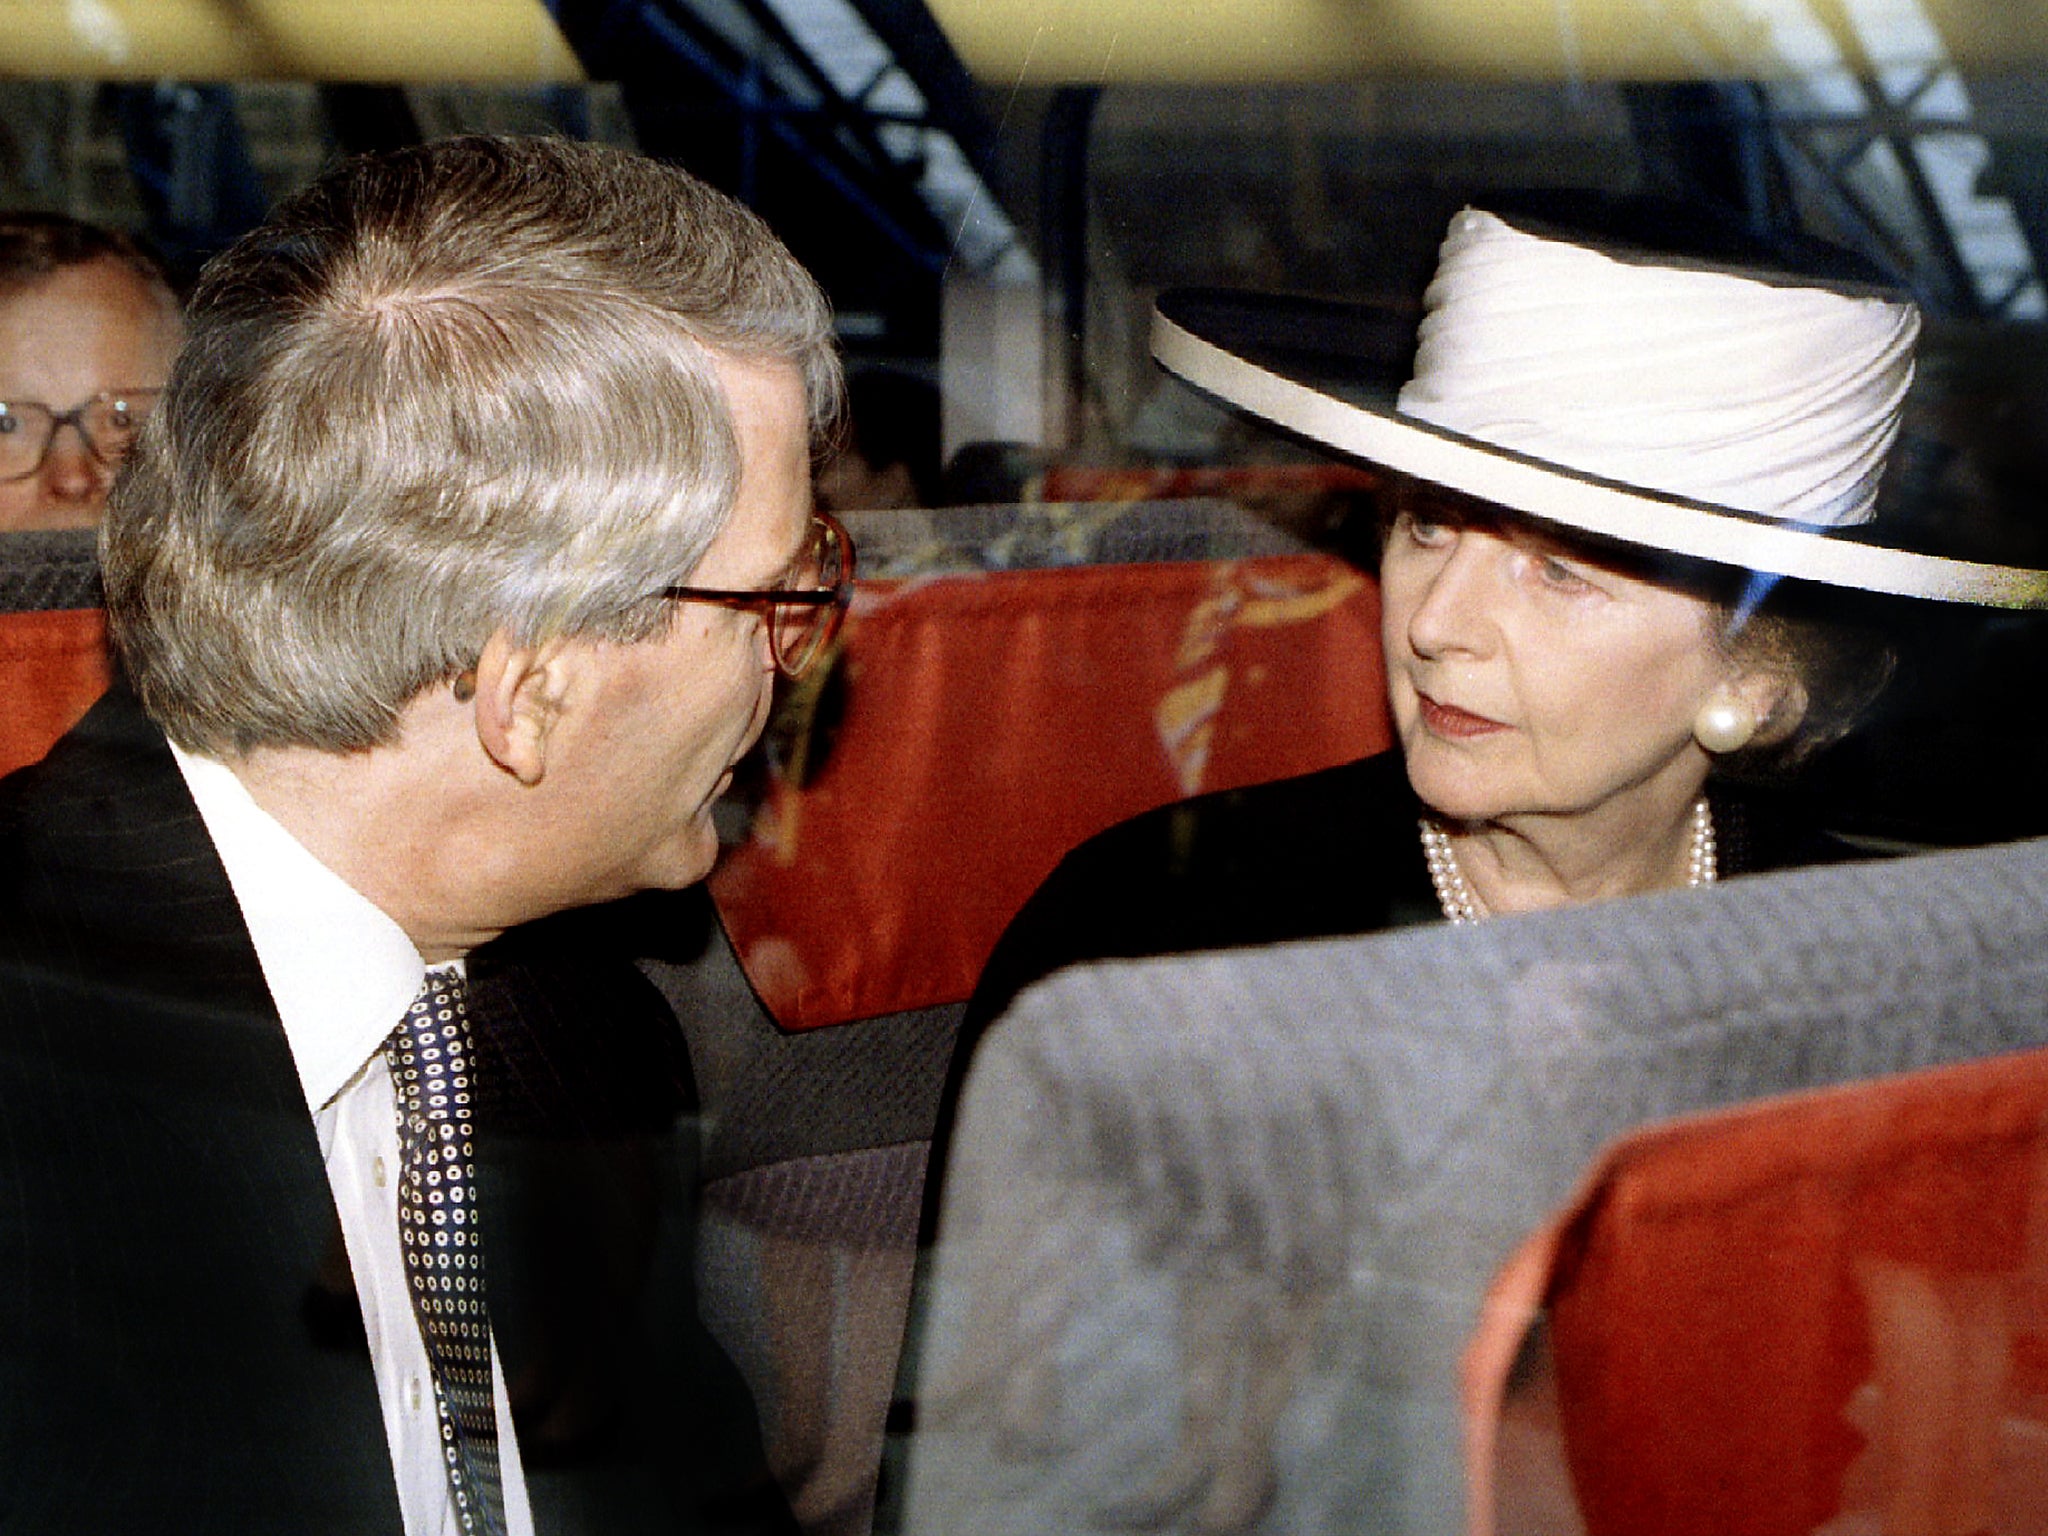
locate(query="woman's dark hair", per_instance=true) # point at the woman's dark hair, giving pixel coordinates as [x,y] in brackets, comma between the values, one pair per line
[1840,663]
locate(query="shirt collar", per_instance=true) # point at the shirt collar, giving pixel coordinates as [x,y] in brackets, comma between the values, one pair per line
[341,972]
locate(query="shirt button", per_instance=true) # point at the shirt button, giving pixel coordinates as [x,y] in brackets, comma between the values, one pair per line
[377,1172]
[412,1394]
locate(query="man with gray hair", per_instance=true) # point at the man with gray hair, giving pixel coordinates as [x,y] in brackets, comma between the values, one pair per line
[450,578]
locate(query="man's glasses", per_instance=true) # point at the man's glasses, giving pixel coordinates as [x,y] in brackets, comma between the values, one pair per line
[803,615]
[107,422]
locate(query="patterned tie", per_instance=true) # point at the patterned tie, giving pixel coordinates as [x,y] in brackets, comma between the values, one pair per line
[442,1230]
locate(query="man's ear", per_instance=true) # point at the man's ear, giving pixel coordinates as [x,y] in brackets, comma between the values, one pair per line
[520,693]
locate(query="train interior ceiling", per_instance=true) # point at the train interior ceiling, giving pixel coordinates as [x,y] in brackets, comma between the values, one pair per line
[993,192]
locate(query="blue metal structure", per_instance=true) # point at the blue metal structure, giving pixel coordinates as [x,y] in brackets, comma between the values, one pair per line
[730,90]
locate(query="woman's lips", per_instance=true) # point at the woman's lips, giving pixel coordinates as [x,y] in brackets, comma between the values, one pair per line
[1456,724]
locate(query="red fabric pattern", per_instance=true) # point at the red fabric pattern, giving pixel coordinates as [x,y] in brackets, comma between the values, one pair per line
[992,722]
[1822,1314]
[52,667]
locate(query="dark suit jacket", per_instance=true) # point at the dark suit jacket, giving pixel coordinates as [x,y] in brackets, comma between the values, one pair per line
[1317,856]
[163,1209]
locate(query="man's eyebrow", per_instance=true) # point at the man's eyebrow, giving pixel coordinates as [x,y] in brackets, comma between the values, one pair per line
[779,576]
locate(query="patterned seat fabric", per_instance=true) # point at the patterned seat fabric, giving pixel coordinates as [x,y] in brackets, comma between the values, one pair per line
[53,646]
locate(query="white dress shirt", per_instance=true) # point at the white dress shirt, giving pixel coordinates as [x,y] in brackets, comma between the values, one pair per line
[342,974]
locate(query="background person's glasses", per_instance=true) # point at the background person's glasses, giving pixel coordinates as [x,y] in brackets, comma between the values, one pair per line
[107,422]
[804,615]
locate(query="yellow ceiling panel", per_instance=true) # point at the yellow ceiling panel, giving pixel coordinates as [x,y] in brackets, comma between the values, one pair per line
[369,40]
[1986,33]
[1048,42]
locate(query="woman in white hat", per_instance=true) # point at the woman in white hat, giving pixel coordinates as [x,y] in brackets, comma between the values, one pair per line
[1621,484]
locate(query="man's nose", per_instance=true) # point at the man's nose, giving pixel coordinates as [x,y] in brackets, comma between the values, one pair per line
[71,472]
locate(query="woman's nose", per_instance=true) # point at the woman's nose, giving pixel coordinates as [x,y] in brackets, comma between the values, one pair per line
[1455,612]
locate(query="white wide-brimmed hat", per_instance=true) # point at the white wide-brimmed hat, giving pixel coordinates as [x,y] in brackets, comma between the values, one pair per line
[1730,416]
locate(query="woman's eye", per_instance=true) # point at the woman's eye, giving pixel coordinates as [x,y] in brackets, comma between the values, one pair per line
[1428,534]
[1558,576]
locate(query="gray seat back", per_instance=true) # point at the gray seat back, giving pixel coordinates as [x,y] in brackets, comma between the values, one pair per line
[1341,1142]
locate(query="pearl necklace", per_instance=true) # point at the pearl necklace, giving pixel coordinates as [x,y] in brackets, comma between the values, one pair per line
[1461,903]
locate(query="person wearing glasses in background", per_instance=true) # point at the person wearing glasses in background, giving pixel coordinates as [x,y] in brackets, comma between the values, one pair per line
[450,577]
[88,327]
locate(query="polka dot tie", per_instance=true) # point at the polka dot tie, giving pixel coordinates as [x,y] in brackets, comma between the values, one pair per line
[441,1228]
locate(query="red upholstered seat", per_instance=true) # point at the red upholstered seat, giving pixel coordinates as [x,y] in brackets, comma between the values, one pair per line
[53,665]
[991,721]
[1820,1314]
[988,722]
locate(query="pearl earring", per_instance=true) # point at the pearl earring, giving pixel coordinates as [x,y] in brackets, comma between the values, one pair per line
[1724,727]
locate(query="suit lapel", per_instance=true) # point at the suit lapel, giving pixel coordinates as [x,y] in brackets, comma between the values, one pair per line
[160,1140]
